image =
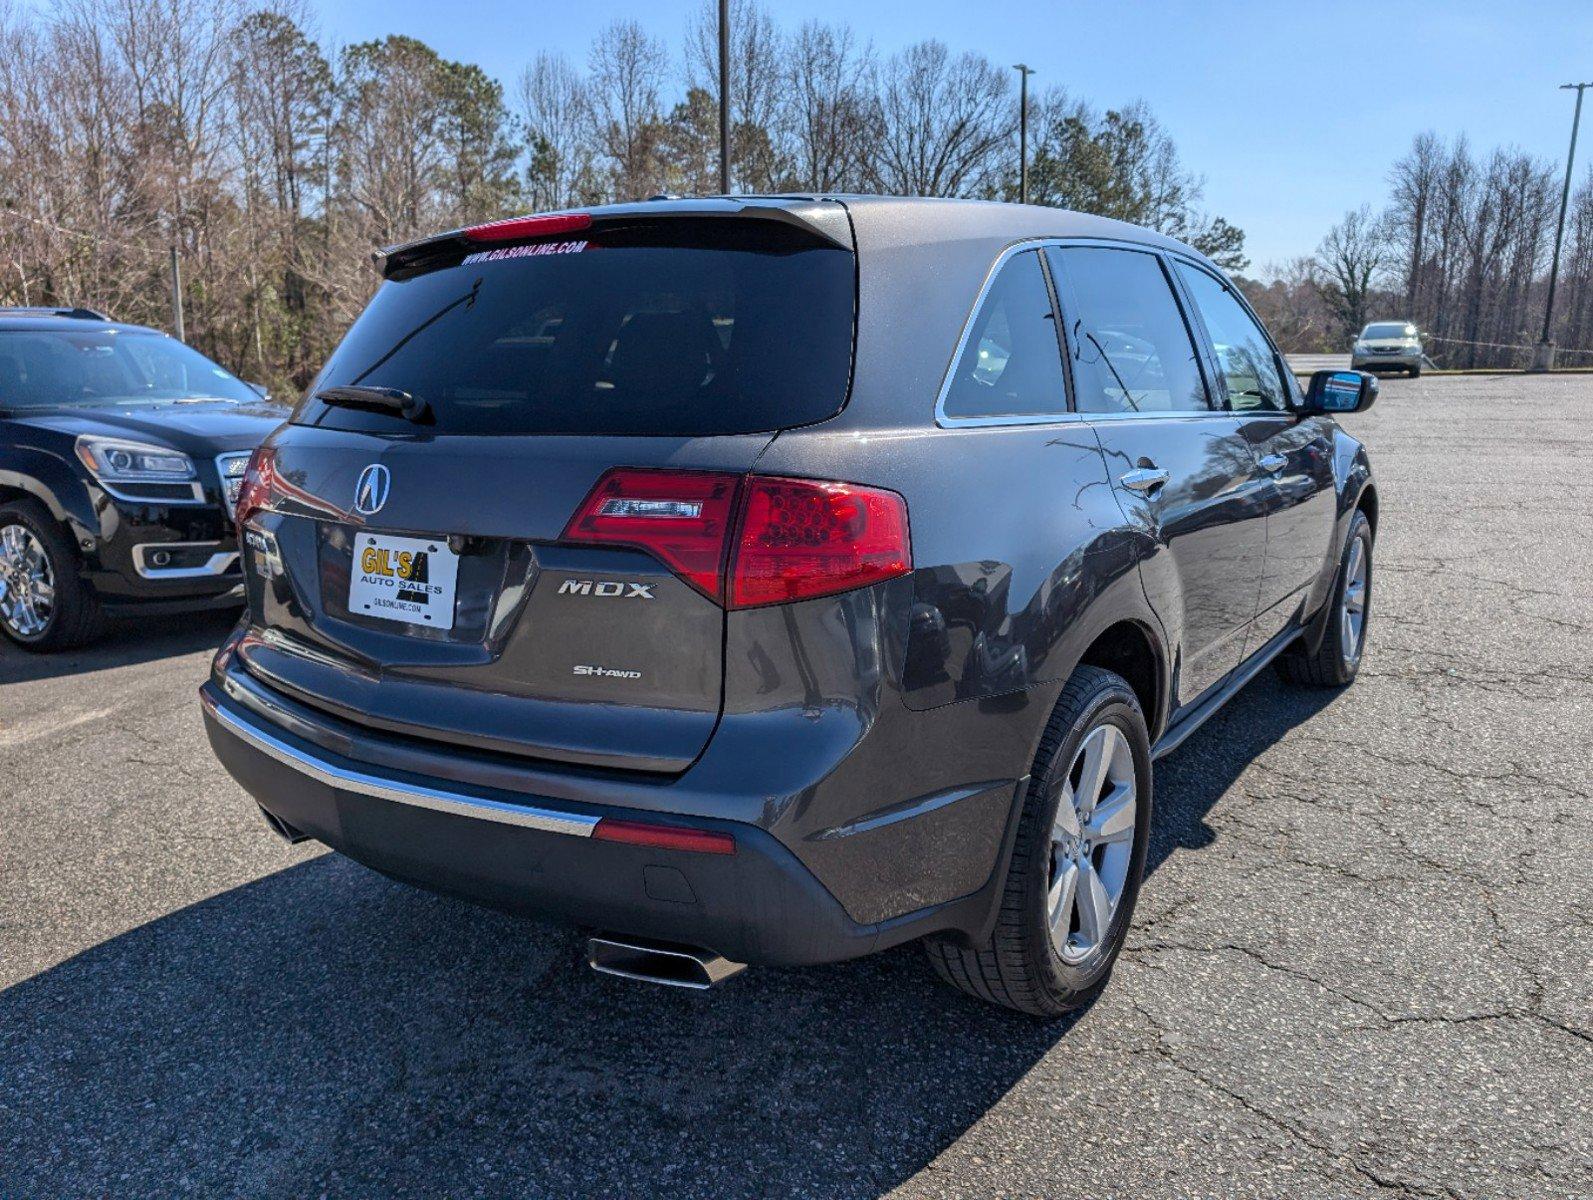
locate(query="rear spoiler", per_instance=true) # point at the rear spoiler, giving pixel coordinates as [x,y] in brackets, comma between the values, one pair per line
[823,219]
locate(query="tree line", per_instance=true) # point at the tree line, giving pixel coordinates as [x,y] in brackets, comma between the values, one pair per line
[274,164]
[1462,248]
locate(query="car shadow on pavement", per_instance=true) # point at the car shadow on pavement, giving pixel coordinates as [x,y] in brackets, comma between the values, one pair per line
[1191,779]
[126,641]
[324,1031]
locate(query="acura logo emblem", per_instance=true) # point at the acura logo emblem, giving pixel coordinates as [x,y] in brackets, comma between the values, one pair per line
[370,493]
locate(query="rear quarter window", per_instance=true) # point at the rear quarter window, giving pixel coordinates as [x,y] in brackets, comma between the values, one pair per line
[685,328]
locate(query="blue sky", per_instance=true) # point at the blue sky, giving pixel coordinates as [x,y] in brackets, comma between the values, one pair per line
[1291,111]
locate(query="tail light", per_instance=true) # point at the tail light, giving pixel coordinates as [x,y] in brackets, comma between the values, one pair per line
[799,538]
[679,517]
[754,540]
[259,480]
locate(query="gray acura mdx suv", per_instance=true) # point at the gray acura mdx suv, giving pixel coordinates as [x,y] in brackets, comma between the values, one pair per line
[775,580]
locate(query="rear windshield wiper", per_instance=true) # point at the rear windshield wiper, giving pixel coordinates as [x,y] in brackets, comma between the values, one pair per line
[378,399]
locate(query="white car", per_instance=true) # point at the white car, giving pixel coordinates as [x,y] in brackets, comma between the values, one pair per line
[1385,345]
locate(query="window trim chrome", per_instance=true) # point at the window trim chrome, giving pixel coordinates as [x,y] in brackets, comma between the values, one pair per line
[1070,416]
[950,422]
[217,564]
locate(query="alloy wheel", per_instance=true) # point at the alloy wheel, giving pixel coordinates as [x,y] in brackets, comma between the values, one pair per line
[1092,843]
[27,582]
[1352,608]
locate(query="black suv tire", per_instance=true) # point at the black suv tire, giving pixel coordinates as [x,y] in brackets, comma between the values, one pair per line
[75,617]
[1019,966]
[1335,664]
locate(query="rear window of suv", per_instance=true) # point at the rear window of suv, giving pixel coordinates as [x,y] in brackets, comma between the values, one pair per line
[682,327]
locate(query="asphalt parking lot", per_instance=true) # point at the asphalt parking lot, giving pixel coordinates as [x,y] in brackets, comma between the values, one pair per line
[1360,967]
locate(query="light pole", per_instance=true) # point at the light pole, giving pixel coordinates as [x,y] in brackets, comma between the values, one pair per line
[1543,356]
[1024,71]
[177,295]
[724,97]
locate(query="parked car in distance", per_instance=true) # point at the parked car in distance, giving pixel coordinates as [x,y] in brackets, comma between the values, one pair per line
[1388,346]
[121,453]
[776,580]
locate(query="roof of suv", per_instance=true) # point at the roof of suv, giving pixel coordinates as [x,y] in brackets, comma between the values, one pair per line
[938,219]
[64,320]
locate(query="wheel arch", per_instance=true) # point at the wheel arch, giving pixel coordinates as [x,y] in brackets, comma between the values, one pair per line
[1129,648]
[1367,503]
[51,482]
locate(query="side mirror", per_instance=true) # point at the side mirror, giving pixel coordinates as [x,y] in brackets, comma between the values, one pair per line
[1334,392]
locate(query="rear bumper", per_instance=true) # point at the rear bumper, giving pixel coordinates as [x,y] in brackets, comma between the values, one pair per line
[507,850]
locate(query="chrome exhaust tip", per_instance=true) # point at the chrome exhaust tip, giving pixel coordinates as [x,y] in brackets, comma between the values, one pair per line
[282,829]
[660,962]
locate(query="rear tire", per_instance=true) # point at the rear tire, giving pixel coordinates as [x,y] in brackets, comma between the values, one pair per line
[1055,941]
[72,615]
[1338,658]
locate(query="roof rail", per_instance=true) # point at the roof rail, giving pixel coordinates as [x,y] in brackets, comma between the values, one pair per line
[77,312]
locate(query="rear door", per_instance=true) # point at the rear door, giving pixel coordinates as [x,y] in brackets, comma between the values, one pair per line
[1294,452]
[431,577]
[1182,470]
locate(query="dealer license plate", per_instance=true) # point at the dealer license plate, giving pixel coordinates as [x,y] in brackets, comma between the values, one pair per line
[403,579]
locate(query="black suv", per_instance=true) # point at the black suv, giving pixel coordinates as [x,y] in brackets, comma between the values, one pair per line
[121,452]
[780,579]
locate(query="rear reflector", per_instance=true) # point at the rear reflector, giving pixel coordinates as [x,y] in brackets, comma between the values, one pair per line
[800,538]
[793,539]
[680,517]
[664,837]
[515,228]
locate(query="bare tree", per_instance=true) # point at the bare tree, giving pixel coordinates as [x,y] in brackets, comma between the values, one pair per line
[1290,305]
[556,111]
[829,112]
[627,78]
[1350,257]
[1414,182]
[943,119]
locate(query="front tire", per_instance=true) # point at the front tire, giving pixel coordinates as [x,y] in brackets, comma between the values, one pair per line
[1338,658]
[1077,863]
[44,603]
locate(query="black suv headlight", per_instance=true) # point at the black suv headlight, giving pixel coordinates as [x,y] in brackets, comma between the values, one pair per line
[139,471]
[116,461]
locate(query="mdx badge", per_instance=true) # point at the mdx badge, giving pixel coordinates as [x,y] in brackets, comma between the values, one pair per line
[606,587]
[370,493]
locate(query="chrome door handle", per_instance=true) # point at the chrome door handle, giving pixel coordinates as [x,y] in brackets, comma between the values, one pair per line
[1274,462]
[1145,479]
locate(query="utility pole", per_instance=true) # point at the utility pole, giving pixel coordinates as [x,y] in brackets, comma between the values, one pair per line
[1024,71]
[177,294]
[1543,356]
[724,97]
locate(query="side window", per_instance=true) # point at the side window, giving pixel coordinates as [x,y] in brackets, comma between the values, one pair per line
[1130,348]
[1012,362]
[1249,367]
